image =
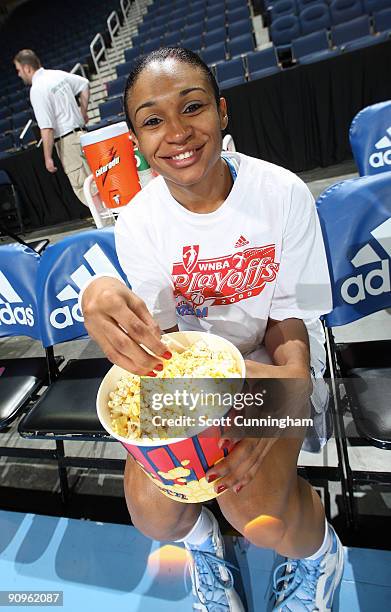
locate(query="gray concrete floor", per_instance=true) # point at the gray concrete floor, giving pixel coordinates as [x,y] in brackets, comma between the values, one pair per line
[29,475]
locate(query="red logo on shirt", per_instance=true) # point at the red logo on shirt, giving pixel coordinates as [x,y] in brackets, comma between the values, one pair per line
[223,280]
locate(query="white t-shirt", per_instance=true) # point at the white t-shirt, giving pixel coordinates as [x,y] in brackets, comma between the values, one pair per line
[52,96]
[260,255]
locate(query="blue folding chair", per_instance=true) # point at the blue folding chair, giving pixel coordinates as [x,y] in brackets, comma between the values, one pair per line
[359,264]
[354,34]
[314,18]
[237,14]
[214,36]
[172,39]
[196,29]
[312,48]
[282,7]
[374,6]
[20,119]
[303,4]
[111,108]
[230,73]
[240,28]
[345,10]
[21,378]
[215,22]
[382,21]
[6,142]
[241,45]
[5,125]
[132,54]
[284,29]
[116,88]
[67,409]
[214,54]
[262,63]
[370,139]
[124,69]
[194,43]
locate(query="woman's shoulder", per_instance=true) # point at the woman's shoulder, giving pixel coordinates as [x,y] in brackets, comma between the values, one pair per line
[267,170]
[142,205]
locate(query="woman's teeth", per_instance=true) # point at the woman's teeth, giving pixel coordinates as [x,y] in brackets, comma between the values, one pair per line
[183,155]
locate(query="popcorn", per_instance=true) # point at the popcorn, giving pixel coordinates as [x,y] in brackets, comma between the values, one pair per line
[197,361]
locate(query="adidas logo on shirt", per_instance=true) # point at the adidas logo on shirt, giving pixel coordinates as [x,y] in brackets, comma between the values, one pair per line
[355,289]
[382,157]
[65,316]
[241,242]
[10,314]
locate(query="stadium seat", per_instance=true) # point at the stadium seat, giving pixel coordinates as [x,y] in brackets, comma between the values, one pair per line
[20,105]
[353,34]
[215,10]
[215,22]
[240,28]
[374,6]
[171,39]
[230,73]
[194,43]
[124,69]
[345,10]
[241,45]
[111,108]
[303,4]
[282,7]
[4,112]
[313,47]
[237,14]
[6,142]
[214,54]
[5,125]
[382,21]
[175,25]
[284,29]
[132,54]
[262,63]
[151,45]
[315,17]
[196,29]
[19,120]
[116,87]
[214,36]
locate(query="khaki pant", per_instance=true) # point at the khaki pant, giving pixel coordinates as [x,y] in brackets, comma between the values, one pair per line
[74,164]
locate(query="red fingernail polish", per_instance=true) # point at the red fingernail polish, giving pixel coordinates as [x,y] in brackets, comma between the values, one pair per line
[159,367]
[167,355]
[151,374]
[238,488]
[211,477]
[221,488]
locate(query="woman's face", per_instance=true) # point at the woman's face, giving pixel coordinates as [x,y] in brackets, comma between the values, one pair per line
[176,122]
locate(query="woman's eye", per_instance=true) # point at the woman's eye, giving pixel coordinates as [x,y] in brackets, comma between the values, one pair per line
[192,107]
[152,121]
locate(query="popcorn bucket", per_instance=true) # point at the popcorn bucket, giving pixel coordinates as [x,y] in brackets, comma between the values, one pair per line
[176,466]
[110,156]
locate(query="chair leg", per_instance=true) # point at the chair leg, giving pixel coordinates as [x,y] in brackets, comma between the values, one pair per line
[62,472]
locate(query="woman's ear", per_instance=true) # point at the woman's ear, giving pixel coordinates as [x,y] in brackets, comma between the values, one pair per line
[223,113]
[133,138]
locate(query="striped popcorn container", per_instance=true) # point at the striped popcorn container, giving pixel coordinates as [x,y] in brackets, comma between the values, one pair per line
[177,466]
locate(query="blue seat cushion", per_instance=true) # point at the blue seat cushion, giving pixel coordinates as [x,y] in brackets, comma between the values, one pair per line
[232,82]
[319,56]
[259,74]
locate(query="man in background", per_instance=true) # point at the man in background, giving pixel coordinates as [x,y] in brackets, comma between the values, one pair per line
[60,119]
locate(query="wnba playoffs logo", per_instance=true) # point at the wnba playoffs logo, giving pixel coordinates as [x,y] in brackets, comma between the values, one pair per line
[223,280]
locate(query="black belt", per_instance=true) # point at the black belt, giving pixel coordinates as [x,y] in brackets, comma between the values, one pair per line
[79,129]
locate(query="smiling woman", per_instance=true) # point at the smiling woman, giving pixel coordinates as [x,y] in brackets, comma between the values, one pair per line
[227,244]
[175,114]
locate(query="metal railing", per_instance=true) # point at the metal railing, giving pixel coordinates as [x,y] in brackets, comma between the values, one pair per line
[98,54]
[113,25]
[79,69]
[125,8]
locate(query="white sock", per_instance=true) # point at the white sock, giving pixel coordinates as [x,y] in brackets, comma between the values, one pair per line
[200,531]
[325,545]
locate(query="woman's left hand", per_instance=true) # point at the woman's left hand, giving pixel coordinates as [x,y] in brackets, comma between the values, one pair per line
[239,467]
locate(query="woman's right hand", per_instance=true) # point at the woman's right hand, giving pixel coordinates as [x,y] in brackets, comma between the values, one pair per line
[120,322]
